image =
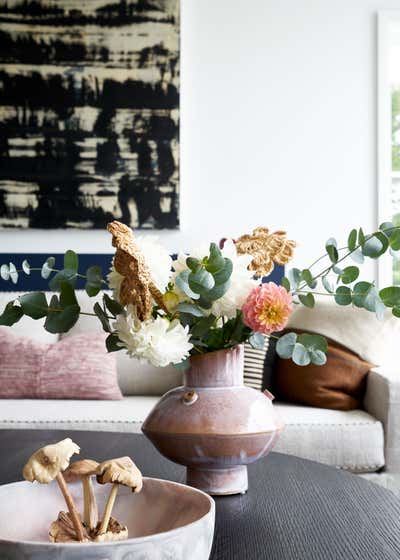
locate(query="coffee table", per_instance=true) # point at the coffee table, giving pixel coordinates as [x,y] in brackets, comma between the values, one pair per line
[294,509]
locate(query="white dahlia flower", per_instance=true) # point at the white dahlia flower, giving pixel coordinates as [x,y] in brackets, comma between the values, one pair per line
[242,283]
[157,341]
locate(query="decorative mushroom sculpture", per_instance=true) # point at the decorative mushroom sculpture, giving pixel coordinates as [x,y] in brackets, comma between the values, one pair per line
[116,471]
[83,470]
[47,464]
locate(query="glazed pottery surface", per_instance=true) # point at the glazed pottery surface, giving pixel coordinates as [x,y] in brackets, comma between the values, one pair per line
[214,424]
[165,521]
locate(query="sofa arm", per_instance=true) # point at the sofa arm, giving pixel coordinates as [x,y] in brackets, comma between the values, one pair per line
[382,400]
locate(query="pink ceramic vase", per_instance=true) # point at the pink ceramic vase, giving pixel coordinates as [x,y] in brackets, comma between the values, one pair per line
[214,424]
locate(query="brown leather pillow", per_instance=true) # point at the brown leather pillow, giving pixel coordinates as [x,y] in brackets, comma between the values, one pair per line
[340,384]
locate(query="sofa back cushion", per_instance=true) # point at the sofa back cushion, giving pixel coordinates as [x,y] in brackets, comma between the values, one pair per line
[77,367]
[27,326]
[340,384]
[373,340]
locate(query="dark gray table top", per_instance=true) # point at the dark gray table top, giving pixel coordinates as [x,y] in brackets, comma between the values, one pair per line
[294,509]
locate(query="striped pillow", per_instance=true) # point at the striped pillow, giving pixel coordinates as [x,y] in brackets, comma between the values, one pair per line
[254,365]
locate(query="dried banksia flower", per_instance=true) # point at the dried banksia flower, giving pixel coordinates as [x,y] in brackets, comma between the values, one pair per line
[266,249]
[137,287]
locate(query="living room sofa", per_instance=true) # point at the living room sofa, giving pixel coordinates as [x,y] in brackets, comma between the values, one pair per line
[361,441]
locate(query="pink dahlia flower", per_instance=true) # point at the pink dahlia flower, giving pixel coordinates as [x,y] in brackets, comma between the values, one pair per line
[268,308]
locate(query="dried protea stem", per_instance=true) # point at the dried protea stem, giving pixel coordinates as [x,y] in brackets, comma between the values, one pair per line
[137,287]
[266,249]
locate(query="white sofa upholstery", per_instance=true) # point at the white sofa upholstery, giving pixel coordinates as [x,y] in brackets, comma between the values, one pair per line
[363,441]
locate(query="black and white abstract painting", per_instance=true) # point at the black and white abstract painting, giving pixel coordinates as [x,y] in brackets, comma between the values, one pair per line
[89,113]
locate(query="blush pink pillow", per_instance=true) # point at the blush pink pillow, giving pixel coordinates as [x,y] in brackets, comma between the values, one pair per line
[77,367]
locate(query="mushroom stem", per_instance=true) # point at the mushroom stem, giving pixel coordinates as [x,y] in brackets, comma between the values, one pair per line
[107,511]
[71,506]
[90,514]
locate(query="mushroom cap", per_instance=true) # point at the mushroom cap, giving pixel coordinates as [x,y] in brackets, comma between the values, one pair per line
[47,462]
[79,469]
[122,470]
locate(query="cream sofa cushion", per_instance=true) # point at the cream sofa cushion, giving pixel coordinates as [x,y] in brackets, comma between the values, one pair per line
[359,330]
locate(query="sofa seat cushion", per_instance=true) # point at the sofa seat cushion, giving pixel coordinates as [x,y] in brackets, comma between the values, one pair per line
[125,415]
[351,439]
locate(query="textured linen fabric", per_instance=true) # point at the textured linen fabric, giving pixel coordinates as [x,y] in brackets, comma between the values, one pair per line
[350,440]
[382,399]
[340,384]
[77,367]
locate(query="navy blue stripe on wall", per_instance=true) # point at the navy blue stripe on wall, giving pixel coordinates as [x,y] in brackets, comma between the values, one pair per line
[35,282]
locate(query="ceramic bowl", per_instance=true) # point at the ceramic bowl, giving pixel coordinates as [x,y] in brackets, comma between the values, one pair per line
[165,521]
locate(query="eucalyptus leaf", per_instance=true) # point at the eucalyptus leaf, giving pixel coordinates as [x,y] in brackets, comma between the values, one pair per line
[182,282]
[223,275]
[71,260]
[60,320]
[215,261]
[12,314]
[285,345]
[357,256]
[361,237]
[47,267]
[390,296]
[307,299]
[13,273]
[331,249]
[294,276]
[327,285]
[394,240]
[113,343]
[5,272]
[352,240]
[257,341]
[66,275]
[301,356]
[385,226]
[396,311]
[201,282]
[105,323]
[375,246]
[67,295]
[350,274]
[360,293]
[343,295]
[318,358]
[285,283]
[313,342]
[26,267]
[193,264]
[34,305]
[113,306]
[94,280]
[191,309]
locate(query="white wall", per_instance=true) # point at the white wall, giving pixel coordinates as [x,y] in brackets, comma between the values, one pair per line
[278,124]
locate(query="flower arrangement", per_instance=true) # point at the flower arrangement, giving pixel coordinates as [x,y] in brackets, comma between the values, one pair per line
[164,310]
